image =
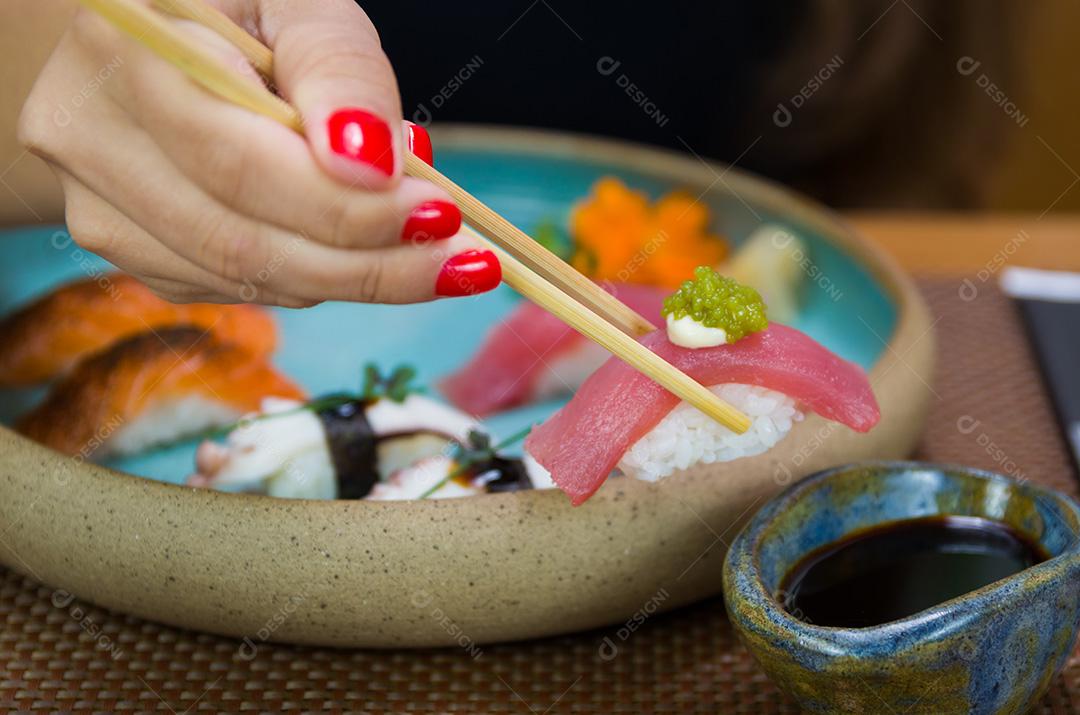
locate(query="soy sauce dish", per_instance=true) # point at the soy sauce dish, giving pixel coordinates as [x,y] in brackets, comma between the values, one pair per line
[909,587]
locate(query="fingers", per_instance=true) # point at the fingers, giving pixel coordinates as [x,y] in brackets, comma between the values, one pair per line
[329,64]
[264,258]
[145,187]
[177,292]
[98,227]
[266,171]
[454,268]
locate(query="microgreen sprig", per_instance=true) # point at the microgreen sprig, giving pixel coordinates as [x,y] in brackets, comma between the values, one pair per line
[396,386]
[476,450]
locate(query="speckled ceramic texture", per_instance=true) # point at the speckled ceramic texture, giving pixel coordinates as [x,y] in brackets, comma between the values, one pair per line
[474,570]
[990,652]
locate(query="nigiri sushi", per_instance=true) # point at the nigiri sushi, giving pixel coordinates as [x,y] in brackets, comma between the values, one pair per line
[151,388]
[622,419]
[377,448]
[532,355]
[775,263]
[46,338]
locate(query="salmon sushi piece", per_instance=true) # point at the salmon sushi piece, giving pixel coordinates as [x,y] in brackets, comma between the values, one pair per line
[47,338]
[152,388]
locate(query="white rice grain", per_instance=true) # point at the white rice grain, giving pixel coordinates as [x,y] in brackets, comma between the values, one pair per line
[686,437]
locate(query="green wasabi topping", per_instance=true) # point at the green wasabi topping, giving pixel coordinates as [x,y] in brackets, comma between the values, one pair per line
[717,301]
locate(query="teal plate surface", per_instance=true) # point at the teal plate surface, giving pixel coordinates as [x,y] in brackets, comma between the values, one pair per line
[324,347]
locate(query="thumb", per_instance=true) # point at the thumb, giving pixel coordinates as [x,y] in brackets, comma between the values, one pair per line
[329,63]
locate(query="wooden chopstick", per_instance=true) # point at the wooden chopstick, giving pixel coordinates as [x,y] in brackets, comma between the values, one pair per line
[618,343]
[508,236]
[259,55]
[167,41]
[528,268]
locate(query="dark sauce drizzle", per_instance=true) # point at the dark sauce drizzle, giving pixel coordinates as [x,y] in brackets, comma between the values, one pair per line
[500,474]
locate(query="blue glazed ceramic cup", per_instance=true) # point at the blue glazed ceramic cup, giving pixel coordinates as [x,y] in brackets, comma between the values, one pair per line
[991,651]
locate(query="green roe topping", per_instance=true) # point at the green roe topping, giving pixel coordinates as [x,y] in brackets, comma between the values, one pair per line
[718,302]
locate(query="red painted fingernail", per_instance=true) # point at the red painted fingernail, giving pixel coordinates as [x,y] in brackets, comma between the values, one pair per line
[361,136]
[431,221]
[419,142]
[468,273]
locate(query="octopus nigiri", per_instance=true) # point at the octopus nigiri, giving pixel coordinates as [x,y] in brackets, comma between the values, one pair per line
[152,388]
[47,338]
[377,448]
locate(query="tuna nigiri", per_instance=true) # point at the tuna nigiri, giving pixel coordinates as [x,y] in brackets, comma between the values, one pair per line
[618,408]
[151,388]
[718,334]
[46,338]
[532,355]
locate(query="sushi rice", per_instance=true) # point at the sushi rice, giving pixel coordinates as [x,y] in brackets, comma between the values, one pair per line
[686,436]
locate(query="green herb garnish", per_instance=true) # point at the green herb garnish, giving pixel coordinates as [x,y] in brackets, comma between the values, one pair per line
[717,301]
[396,386]
[476,450]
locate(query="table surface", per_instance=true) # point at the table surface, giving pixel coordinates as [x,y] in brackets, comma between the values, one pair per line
[75,657]
[957,244]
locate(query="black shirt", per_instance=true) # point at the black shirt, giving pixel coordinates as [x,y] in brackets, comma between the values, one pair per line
[674,75]
[857,102]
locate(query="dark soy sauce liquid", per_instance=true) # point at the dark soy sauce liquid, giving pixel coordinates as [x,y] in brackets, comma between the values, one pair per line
[898,569]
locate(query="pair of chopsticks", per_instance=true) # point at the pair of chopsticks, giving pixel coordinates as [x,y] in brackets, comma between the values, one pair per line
[528,267]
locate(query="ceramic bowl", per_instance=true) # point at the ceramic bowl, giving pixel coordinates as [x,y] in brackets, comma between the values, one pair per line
[991,651]
[485,568]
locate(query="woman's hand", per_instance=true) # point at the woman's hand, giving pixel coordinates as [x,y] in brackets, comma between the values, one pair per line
[206,201]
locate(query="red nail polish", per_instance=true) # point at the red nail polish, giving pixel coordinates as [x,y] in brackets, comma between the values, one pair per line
[431,221]
[468,273]
[419,142]
[362,136]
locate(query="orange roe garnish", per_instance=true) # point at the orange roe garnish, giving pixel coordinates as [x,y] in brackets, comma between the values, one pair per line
[620,237]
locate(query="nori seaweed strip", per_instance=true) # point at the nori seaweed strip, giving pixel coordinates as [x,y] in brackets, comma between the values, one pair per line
[352,443]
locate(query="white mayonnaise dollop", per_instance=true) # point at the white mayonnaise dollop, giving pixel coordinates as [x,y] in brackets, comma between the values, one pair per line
[688,333]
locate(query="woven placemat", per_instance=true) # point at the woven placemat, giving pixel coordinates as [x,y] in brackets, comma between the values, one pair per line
[57,654]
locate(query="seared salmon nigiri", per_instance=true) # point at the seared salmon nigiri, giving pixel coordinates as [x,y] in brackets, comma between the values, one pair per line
[151,388]
[45,339]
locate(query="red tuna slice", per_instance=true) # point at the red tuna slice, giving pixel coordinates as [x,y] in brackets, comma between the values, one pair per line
[581,443]
[507,369]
